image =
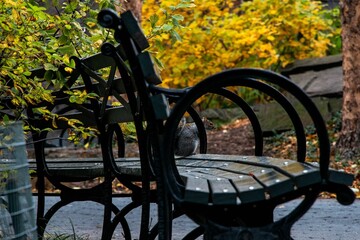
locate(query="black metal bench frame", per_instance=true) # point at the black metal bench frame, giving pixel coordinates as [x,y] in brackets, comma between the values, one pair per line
[230,197]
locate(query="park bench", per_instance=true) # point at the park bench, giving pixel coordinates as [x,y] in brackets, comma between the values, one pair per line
[97,74]
[229,196]
[60,171]
[226,195]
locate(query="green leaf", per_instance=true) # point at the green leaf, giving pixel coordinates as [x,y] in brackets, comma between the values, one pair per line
[167,27]
[153,20]
[68,49]
[48,75]
[72,63]
[178,17]
[158,63]
[27,73]
[73,99]
[175,35]
[92,95]
[49,66]
[185,5]
[6,118]
[60,77]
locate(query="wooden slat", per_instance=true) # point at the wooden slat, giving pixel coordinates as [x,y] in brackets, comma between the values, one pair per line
[199,162]
[98,61]
[196,190]
[134,30]
[147,68]
[129,166]
[223,192]
[340,177]
[249,189]
[118,114]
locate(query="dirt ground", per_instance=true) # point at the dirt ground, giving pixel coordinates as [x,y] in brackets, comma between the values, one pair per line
[236,138]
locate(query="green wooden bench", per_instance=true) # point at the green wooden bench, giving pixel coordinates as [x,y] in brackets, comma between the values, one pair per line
[229,196]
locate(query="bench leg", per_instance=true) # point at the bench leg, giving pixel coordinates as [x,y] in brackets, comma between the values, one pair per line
[165,216]
[120,217]
[40,220]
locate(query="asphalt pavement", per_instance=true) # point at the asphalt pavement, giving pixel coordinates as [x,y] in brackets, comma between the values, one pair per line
[327,219]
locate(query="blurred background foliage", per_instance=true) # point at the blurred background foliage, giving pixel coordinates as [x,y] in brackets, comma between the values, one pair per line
[190,40]
[259,33]
[218,35]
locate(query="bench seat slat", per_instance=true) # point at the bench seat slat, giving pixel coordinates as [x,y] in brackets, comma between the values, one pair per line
[340,177]
[303,173]
[197,189]
[202,162]
[87,168]
[223,192]
[249,189]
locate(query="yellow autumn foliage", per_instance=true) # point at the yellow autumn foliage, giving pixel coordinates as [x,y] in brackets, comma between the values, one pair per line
[219,35]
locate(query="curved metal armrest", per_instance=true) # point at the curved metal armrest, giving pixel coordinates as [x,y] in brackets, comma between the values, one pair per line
[171,93]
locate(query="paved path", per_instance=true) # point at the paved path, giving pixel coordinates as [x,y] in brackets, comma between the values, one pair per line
[327,219]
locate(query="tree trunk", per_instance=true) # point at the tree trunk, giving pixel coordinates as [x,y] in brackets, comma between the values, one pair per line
[349,141]
[134,5]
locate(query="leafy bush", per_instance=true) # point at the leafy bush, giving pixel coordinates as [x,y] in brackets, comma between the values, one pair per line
[219,35]
[31,38]
[333,18]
